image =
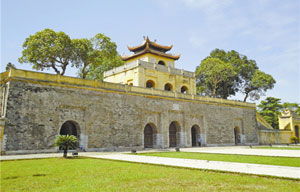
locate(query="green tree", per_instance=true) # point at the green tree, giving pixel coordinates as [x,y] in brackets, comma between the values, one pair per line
[66,142]
[259,83]
[231,85]
[48,49]
[211,72]
[10,66]
[96,70]
[269,109]
[246,79]
[95,56]
[292,106]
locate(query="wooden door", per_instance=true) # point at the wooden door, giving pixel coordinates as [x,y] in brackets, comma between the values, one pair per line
[172,135]
[148,137]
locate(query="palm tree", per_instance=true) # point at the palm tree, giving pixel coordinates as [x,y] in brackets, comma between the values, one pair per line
[66,142]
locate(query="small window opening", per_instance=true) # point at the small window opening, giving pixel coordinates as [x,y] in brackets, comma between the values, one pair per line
[150,84]
[161,62]
[184,89]
[168,87]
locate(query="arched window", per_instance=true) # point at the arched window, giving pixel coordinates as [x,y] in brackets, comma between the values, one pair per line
[161,62]
[184,89]
[168,87]
[150,84]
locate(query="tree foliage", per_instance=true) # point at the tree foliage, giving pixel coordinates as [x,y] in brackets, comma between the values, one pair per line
[259,83]
[271,107]
[66,142]
[48,49]
[247,78]
[211,72]
[95,56]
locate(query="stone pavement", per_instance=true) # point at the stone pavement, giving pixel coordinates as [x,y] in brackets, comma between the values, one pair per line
[244,151]
[257,169]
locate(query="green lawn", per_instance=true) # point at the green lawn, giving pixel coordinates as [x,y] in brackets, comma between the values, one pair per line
[283,161]
[289,148]
[81,174]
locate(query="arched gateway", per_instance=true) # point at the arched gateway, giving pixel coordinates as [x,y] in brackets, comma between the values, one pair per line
[173,134]
[149,135]
[195,133]
[237,135]
[70,128]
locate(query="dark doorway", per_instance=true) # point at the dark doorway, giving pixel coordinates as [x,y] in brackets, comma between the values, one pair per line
[173,129]
[195,133]
[194,136]
[237,136]
[148,136]
[69,128]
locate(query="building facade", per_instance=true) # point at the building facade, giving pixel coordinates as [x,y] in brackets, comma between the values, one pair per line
[117,115]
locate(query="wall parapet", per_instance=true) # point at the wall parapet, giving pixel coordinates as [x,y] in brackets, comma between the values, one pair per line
[18,74]
[149,65]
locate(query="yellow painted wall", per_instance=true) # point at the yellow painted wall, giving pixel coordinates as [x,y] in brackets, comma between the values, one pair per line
[140,75]
[149,57]
[274,137]
[285,136]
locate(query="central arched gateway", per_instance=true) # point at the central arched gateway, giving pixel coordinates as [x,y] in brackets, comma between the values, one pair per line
[173,134]
[149,135]
[70,128]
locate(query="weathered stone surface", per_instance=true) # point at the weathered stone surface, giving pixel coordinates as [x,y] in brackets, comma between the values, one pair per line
[107,120]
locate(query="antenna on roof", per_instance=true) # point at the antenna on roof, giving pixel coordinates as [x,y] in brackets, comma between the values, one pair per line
[144,37]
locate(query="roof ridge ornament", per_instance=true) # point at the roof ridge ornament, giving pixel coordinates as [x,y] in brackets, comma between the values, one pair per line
[151,47]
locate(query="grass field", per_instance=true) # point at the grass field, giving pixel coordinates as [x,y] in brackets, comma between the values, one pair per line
[282,161]
[81,174]
[288,148]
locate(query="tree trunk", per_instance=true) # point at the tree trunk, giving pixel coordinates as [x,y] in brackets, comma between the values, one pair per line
[246,96]
[65,153]
[55,69]
[84,73]
[63,69]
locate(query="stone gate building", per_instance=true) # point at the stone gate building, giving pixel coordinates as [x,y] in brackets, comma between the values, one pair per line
[145,103]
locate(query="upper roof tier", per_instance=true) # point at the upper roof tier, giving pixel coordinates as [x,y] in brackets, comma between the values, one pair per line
[150,47]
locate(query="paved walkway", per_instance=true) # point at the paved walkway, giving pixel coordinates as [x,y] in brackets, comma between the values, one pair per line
[271,170]
[244,151]
[279,171]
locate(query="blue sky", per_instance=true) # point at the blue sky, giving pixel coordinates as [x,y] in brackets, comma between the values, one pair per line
[264,30]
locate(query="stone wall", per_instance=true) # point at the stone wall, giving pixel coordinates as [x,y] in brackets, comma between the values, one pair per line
[274,136]
[113,120]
